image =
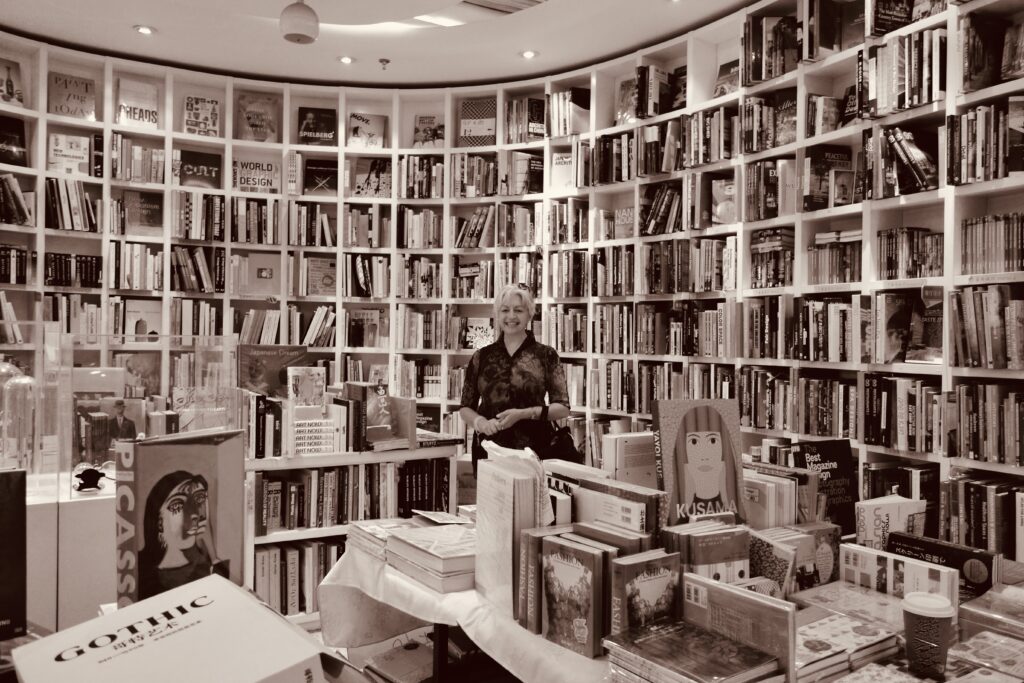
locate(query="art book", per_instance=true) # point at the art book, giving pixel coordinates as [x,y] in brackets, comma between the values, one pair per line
[677,650]
[263,368]
[256,175]
[137,103]
[320,176]
[12,91]
[772,560]
[645,587]
[367,130]
[825,633]
[428,131]
[141,372]
[73,96]
[625,100]
[198,169]
[306,386]
[182,514]
[878,516]
[317,126]
[142,320]
[201,116]
[573,582]
[257,116]
[477,121]
[728,80]
[13,576]
[371,177]
[837,466]
[696,446]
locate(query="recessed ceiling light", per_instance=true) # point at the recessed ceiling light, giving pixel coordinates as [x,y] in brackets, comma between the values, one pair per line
[345,60]
[528,54]
[144,30]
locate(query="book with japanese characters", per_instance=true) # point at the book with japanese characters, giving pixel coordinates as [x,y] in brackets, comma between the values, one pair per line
[979,569]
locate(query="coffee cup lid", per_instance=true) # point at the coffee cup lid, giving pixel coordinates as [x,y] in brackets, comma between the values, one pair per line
[928,604]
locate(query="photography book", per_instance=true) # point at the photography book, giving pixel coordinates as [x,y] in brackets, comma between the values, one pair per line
[183,513]
[317,126]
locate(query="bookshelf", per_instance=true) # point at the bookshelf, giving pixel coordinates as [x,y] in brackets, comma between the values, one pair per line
[461,279]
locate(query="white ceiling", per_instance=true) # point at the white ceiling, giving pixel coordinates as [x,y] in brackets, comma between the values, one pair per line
[243,37]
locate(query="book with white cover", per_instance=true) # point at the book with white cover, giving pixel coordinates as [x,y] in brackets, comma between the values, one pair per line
[441,583]
[136,642]
[443,549]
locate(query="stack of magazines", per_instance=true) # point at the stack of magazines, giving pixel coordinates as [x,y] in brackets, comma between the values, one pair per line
[676,651]
[442,558]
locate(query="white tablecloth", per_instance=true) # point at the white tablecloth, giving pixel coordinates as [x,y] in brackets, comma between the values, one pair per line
[359,602]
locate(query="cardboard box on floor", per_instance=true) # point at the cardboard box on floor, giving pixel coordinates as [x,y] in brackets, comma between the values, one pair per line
[207,630]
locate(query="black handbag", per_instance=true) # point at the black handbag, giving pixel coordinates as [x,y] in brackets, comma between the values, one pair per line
[551,441]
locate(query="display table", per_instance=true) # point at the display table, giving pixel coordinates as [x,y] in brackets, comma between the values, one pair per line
[363,601]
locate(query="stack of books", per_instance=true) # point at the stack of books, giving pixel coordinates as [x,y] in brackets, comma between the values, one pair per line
[442,558]
[678,651]
[828,643]
[371,535]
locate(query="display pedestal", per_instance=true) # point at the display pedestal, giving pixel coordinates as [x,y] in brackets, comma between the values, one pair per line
[86,554]
[363,600]
[41,561]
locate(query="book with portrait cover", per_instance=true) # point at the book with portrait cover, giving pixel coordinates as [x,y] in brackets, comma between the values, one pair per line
[137,103]
[183,514]
[367,130]
[645,587]
[13,576]
[256,116]
[197,169]
[745,616]
[262,368]
[73,96]
[573,600]
[201,116]
[678,650]
[317,126]
[697,456]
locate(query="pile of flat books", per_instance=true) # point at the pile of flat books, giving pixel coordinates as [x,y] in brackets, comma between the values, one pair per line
[441,557]
[829,643]
[669,651]
[371,535]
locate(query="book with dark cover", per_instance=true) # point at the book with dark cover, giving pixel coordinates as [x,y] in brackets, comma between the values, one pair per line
[143,212]
[982,49]
[677,650]
[1015,134]
[183,513]
[890,15]
[200,169]
[784,102]
[12,92]
[317,126]
[728,80]
[645,588]
[834,458]
[12,141]
[979,569]
[377,418]
[926,328]
[13,571]
[573,594]
[696,446]
[320,176]
[819,160]
[677,87]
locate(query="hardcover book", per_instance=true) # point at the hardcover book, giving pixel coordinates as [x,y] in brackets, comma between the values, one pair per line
[625,100]
[862,602]
[979,569]
[834,458]
[321,276]
[896,575]
[256,175]
[317,126]
[477,121]
[143,213]
[13,572]
[199,169]
[445,549]
[262,368]
[772,560]
[645,588]
[11,91]
[878,516]
[371,177]
[142,318]
[320,176]
[993,650]
[264,274]
[73,96]
[573,583]
[818,162]
[12,141]
[367,130]
[137,103]
[696,446]
[680,651]
[428,131]
[728,80]
[257,116]
[827,539]
[201,116]
[306,386]
[67,153]
[183,513]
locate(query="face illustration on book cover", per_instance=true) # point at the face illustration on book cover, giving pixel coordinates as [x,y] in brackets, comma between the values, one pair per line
[178,537]
[702,472]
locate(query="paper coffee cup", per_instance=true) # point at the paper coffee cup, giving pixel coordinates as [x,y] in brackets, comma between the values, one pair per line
[928,622]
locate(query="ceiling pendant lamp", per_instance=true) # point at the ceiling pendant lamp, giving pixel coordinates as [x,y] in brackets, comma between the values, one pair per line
[299,23]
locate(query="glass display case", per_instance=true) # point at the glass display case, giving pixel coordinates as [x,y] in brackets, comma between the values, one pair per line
[129,387]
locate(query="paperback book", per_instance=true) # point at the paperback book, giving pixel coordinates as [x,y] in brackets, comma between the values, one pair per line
[979,569]
[12,141]
[477,121]
[644,588]
[66,153]
[428,131]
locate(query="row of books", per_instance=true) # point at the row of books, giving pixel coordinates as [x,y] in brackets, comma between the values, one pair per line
[420,278]
[420,229]
[15,268]
[985,142]
[10,331]
[905,71]
[664,381]
[699,265]
[835,257]
[197,217]
[68,205]
[771,47]
[286,575]
[986,327]
[991,49]
[771,189]
[69,270]
[425,329]
[768,121]
[132,161]
[420,177]
[417,378]
[134,266]
[73,315]
[16,205]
